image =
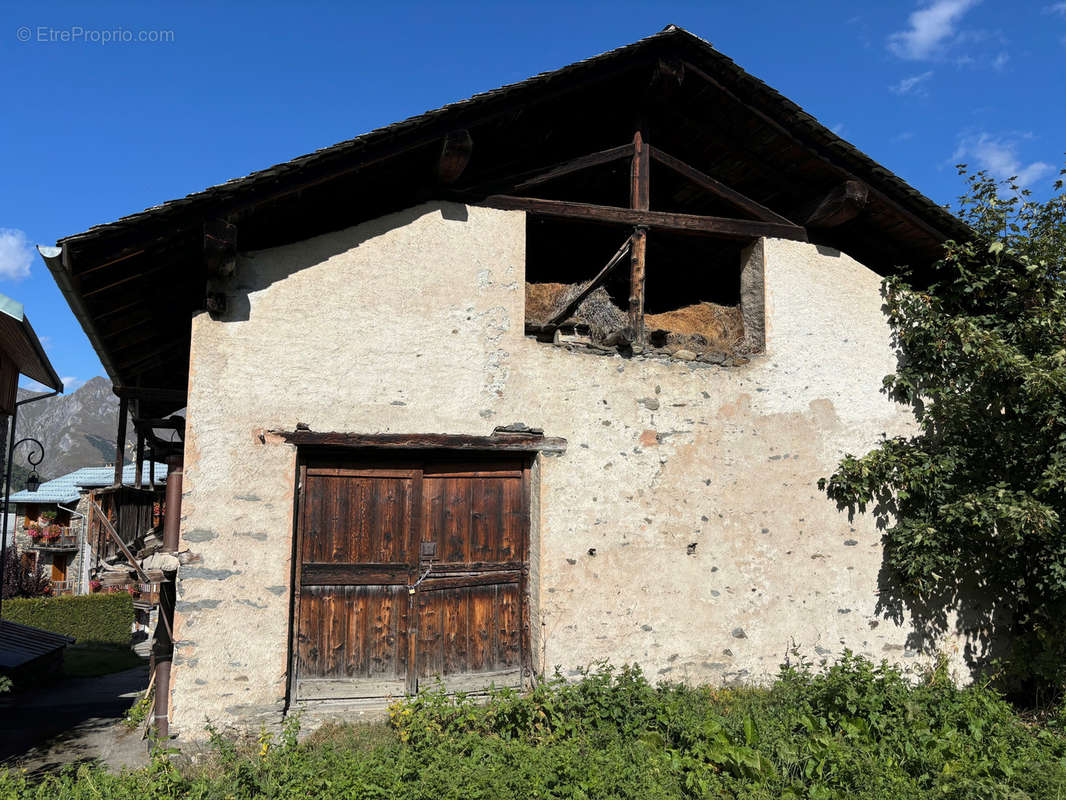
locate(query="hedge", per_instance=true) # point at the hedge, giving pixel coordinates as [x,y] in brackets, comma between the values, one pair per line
[88,618]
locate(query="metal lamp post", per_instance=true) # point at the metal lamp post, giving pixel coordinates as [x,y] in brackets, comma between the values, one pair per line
[33,482]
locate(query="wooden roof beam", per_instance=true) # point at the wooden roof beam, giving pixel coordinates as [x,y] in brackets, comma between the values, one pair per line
[912,217]
[455,153]
[656,220]
[718,188]
[842,204]
[530,178]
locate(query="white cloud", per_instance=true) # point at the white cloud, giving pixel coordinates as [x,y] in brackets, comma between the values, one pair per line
[903,136]
[999,156]
[912,85]
[70,383]
[930,29]
[839,129]
[1001,60]
[32,386]
[16,254]
[1056,8]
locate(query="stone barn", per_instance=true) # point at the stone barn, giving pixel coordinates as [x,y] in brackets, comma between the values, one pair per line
[539,378]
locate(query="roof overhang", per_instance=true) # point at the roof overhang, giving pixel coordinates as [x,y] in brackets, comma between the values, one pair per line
[134,284]
[23,347]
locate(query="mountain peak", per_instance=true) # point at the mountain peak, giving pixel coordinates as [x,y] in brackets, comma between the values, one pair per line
[77,429]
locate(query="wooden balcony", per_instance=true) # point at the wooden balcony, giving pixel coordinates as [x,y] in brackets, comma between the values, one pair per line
[62,587]
[145,595]
[66,541]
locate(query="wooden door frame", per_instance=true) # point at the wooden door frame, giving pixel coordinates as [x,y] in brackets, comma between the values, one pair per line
[398,458]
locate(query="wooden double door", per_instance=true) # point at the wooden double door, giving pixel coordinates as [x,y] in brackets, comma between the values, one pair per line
[408,573]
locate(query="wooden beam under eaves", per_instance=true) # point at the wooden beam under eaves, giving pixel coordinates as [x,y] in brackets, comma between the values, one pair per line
[455,153]
[656,220]
[716,187]
[220,247]
[843,203]
[575,165]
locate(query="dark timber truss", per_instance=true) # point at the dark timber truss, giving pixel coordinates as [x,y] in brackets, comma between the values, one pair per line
[642,218]
[741,161]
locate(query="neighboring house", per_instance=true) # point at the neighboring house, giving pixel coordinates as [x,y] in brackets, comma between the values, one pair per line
[23,649]
[52,530]
[663,271]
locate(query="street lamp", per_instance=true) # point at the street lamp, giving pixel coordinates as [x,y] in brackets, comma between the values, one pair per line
[33,482]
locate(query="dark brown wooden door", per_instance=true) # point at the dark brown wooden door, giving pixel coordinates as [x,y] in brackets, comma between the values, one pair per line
[410,575]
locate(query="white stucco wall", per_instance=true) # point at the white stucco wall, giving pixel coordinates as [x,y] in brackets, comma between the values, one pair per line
[414,324]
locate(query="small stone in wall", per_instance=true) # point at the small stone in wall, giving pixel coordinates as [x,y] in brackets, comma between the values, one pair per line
[850,542]
[738,633]
[685,355]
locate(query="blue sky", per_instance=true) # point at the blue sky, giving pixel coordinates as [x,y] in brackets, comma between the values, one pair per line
[94,127]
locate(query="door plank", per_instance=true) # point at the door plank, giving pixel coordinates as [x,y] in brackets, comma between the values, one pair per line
[455,631]
[349,574]
[508,628]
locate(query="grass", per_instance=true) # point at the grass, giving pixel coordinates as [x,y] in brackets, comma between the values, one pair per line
[89,659]
[858,730]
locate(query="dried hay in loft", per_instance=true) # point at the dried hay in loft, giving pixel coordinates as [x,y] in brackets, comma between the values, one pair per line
[702,328]
[540,300]
[603,318]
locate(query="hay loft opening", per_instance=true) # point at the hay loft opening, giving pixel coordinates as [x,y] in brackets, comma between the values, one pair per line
[683,279]
[699,293]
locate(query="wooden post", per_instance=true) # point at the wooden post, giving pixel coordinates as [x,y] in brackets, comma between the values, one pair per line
[640,188]
[138,480]
[639,200]
[636,286]
[120,441]
[163,645]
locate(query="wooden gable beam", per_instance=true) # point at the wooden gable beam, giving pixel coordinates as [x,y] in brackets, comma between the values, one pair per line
[455,153]
[842,204]
[639,200]
[591,286]
[530,178]
[220,247]
[656,220]
[576,165]
[780,129]
[716,187]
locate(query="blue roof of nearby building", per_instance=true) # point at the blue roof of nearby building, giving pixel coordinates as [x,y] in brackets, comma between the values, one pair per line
[67,488]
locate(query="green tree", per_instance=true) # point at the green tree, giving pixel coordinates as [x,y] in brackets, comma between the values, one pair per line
[974,504]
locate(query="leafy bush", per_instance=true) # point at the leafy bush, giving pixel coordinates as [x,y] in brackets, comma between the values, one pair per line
[23,580]
[857,731]
[92,617]
[977,497]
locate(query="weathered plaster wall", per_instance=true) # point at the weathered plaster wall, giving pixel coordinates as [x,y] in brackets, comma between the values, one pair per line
[682,529]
